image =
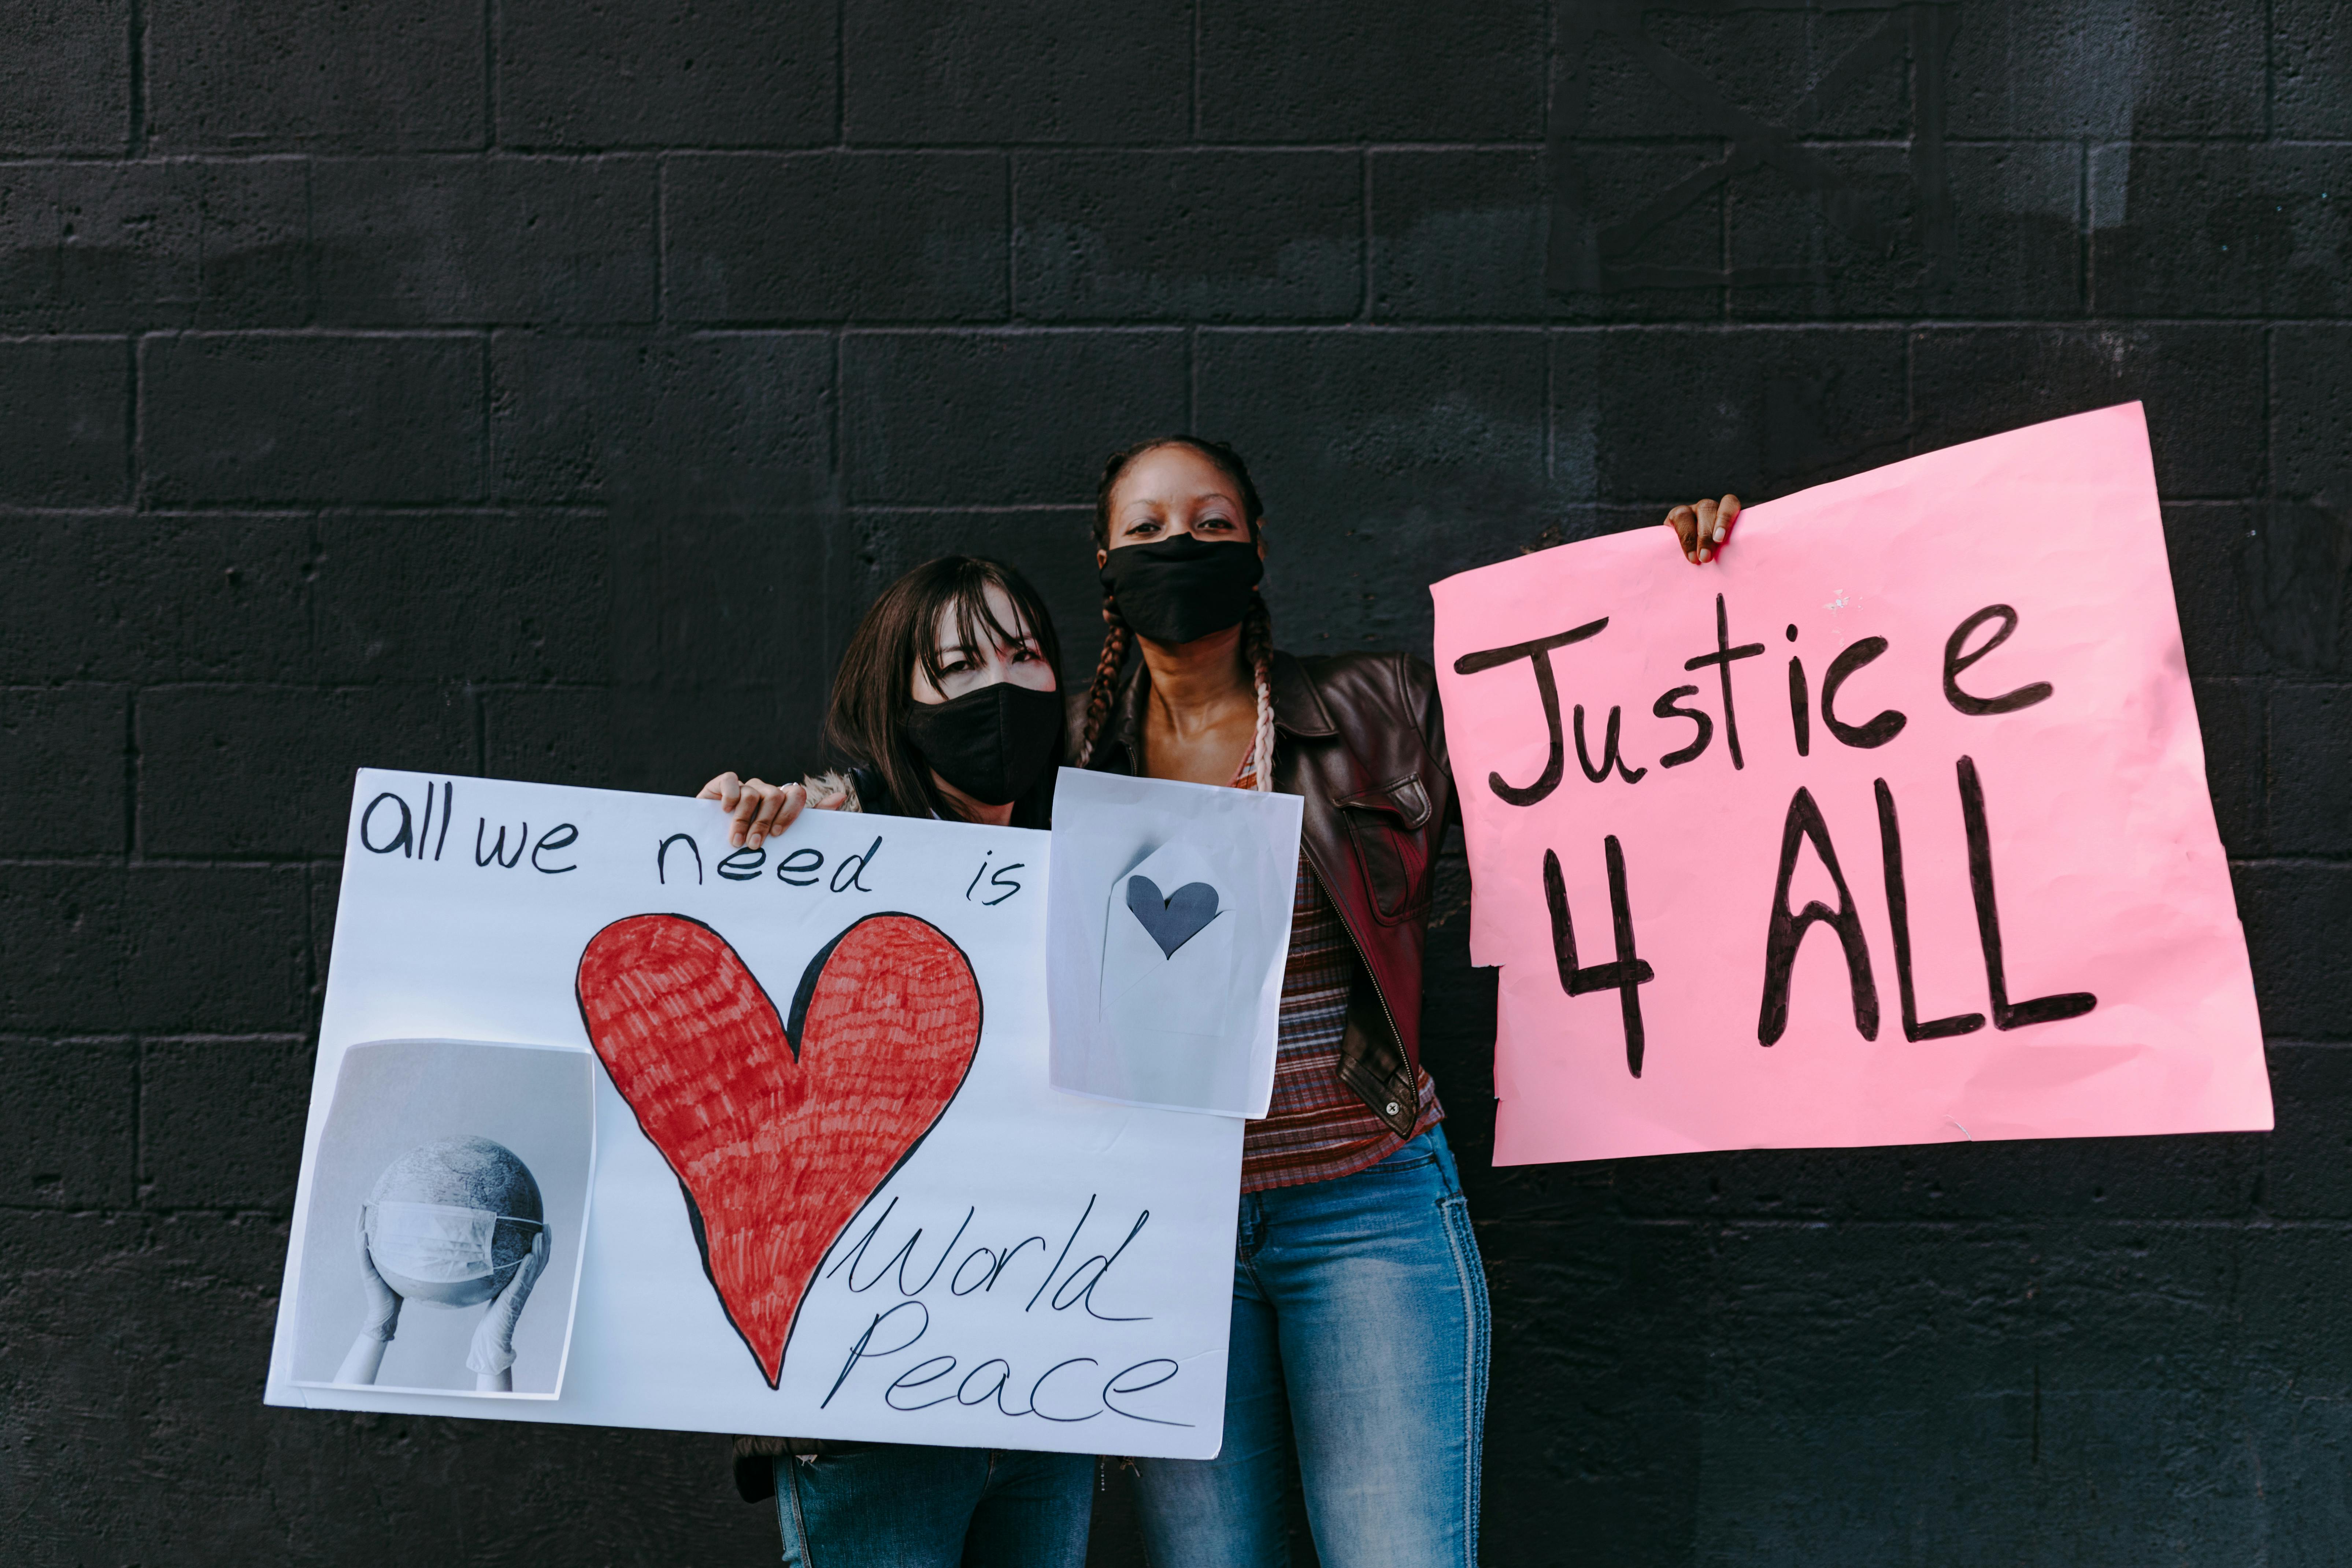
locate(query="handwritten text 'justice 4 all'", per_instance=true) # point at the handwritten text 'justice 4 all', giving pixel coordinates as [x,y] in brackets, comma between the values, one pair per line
[1803,823]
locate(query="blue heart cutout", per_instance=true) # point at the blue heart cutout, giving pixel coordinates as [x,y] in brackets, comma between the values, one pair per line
[1176,919]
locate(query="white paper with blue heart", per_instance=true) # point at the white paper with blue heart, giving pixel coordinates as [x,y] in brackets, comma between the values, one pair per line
[1168,915]
[1169,939]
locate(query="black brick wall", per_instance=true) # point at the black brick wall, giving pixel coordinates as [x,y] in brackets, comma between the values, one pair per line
[542,389]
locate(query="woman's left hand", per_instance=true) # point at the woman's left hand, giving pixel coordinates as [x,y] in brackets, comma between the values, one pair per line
[491,1352]
[760,810]
[1703,527]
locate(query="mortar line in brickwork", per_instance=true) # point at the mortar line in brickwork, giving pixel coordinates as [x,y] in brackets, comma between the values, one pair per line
[513,688]
[1984,1218]
[908,327]
[1666,503]
[1192,73]
[489,76]
[130,773]
[131,433]
[309,236]
[1550,413]
[1192,378]
[305,512]
[133,1035]
[484,479]
[242,862]
[1974,1220]
[1381,329]
[139,1115]
[135,24]
[70,337]
[87,1211]
[975,148]
[199,1036]
[88,683]
[458,331]
[1026,329]
[1551,75]
[559,152]
[2270,401]
[276,510]
[2086,255]
[1011,237]
[841,73]
[2070,324]
[1722,195]
[759,329]
[2270,68]
[157,160]
[357,687]
[894,508]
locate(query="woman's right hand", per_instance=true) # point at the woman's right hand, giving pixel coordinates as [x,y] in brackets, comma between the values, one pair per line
[1702,528]
[382,1300]
[760,810]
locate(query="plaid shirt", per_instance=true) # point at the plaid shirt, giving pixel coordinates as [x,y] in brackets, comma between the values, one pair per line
[1316,1128]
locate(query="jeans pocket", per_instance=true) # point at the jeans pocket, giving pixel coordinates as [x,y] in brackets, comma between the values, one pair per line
[1415,1154]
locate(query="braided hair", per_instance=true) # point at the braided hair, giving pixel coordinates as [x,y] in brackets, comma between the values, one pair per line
[1257,647]
[1257,627]
[1117,640]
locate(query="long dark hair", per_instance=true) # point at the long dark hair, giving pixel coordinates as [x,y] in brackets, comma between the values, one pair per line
[864,723]
[1257,627]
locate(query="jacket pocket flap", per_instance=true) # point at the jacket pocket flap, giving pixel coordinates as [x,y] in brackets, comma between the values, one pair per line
[1404,799]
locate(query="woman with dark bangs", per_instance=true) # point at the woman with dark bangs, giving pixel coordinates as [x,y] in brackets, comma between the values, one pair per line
[946,705]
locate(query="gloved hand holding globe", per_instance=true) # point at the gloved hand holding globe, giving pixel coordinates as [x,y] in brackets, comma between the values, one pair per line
[454,1223]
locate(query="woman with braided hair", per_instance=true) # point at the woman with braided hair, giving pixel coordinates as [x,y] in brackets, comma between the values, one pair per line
[1359,1306]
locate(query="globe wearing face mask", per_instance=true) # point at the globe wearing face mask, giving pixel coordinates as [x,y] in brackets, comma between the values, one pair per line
[451,1221]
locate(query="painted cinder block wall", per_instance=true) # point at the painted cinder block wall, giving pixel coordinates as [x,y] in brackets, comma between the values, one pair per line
[542,389]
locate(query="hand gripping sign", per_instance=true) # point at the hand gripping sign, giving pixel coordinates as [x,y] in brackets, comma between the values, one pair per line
[1891,827]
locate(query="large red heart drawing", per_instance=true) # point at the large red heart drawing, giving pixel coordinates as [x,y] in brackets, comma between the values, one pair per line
[779,1132]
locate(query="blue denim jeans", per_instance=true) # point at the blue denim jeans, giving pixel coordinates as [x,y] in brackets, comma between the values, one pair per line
[899,1505]
[1359,1334]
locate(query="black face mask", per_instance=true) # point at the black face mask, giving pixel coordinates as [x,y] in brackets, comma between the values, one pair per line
[992,743]
[1180,590]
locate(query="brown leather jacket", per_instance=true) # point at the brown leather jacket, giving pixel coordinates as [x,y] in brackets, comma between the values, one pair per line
[1357,736]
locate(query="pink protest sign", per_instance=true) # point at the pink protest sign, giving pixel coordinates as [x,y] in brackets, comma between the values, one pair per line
[1889,827]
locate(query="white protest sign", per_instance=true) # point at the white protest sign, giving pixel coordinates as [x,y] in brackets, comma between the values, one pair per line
[834,1195]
